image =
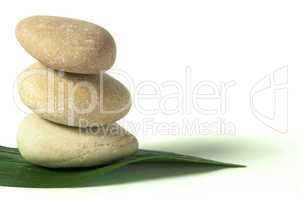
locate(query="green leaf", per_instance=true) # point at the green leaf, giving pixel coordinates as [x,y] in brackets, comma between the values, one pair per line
[16,172]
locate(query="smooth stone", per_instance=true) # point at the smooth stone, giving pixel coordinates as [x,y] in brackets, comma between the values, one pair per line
[56,146]
[67,44]
[73,99]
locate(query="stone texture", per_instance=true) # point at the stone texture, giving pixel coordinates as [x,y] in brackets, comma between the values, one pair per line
[67,44]
[56,146]
[73,99]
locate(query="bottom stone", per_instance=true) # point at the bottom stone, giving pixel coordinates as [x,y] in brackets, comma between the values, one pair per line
[56,146]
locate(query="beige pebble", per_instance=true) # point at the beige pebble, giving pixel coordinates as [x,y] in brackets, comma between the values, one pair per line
[73,99]
[67,44]
[56,146]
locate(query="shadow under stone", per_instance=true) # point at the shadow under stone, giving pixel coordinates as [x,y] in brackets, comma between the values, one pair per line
[151,171]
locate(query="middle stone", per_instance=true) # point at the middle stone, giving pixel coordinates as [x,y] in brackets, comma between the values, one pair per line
[73,99]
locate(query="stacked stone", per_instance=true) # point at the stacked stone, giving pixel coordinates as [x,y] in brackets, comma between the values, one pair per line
[76,104]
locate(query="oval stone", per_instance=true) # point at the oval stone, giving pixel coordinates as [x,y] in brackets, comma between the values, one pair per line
[56,146]
[73,99]
[67,44]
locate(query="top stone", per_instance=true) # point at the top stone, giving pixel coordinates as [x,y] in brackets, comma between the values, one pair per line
[67,44]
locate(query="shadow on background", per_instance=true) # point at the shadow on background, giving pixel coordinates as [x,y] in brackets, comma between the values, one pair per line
[238,150]
[235,149]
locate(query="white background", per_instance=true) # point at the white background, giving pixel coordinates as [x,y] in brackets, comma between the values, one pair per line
[219,41]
